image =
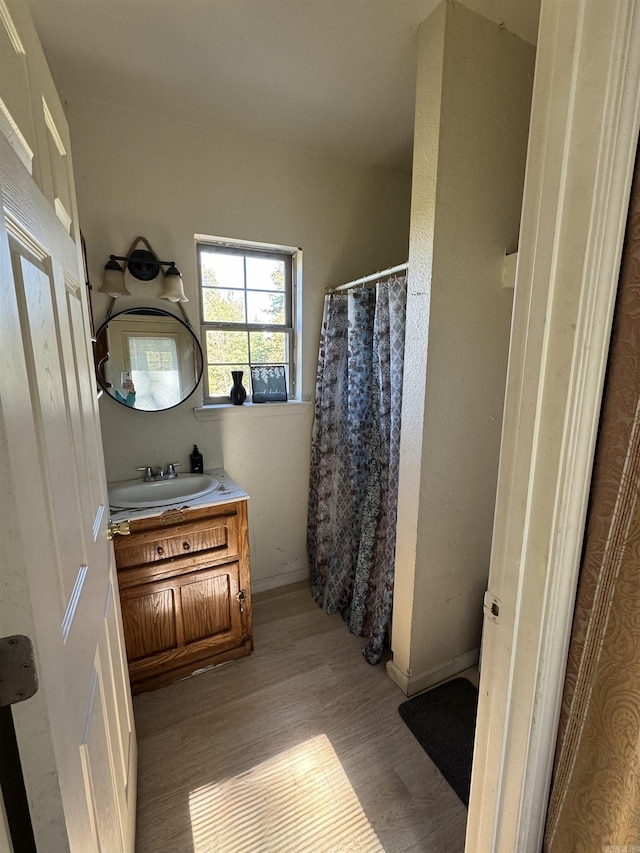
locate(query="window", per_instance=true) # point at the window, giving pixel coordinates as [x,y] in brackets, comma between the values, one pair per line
[154,367]
[246,303]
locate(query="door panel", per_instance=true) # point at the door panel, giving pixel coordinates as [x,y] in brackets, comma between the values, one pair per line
[16,121]
[207,601]
[115,667]
[91,445]
[97,765]
[59,163]
[72,306]
[50,404]
[149,622]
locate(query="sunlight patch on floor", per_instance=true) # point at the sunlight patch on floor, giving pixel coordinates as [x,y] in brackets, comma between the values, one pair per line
[299,801]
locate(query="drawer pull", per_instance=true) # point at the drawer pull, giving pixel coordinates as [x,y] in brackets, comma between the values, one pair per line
[160,550]
[186,546]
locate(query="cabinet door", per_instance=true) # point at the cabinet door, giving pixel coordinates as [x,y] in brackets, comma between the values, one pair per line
[175,625]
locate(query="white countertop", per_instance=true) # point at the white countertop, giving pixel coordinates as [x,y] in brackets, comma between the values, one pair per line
[227,491]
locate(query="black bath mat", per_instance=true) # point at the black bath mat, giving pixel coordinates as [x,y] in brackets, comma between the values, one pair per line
[444,721]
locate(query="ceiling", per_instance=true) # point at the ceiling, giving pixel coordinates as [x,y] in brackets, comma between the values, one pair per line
[334,76]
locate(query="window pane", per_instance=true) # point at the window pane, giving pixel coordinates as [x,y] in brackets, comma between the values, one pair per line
[220,379]
[154,371]
[266,308]
[268,347]
[265,274]
[227,347]
[220,270]
[157,353]
[223,306]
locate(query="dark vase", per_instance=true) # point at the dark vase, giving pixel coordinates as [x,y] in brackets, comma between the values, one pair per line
[238,392]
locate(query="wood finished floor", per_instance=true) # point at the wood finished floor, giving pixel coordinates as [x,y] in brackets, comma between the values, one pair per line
[305,679]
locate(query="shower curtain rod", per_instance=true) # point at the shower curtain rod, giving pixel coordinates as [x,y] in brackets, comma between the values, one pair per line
[373,277]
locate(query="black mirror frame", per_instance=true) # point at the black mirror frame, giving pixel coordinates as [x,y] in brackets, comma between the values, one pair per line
[152,312]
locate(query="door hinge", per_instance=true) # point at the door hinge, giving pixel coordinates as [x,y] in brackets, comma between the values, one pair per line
[241,597]
[120,528]
[491,607]
[18,677]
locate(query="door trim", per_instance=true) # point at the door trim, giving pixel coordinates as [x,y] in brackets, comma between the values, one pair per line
[582,144]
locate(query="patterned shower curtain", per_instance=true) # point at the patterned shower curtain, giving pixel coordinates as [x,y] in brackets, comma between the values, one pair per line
[355,454]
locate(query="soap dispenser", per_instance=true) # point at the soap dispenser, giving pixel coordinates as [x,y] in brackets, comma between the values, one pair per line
[197,463]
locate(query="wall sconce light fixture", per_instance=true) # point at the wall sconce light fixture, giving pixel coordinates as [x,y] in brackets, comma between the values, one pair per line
[144,265]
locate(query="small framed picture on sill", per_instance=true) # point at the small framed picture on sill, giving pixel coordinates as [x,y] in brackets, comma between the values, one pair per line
[269,383]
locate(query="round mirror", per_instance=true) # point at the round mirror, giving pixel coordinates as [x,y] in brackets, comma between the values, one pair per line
[147,359]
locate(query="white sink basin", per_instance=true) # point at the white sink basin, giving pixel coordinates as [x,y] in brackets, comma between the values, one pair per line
[136,494]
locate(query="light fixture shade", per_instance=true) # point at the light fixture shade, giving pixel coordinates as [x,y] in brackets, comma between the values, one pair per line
[173,286]
[113,280]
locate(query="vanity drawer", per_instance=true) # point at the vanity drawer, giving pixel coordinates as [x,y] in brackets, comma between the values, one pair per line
[217,536]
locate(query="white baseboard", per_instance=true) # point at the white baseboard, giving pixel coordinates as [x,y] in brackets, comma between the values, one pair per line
[396,674]
[416,682]
[275,581]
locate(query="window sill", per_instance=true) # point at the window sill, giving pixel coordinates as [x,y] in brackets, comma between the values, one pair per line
[251,410]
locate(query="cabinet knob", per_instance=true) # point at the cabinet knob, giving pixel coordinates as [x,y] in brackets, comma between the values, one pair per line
[186,546]
[160,550]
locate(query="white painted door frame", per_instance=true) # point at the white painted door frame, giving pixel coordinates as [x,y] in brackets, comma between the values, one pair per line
[583,138]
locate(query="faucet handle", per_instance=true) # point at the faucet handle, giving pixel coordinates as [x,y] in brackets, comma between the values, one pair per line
[148,473]
[171,469]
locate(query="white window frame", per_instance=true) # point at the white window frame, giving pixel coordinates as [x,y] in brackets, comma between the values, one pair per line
[294,327]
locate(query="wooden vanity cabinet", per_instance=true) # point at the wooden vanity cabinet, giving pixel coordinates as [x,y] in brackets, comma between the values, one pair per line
[185,592]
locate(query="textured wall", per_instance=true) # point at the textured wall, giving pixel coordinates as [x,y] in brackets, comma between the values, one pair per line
[474,95]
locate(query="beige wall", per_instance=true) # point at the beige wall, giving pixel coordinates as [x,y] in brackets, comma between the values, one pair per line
[142,174]
[474,94]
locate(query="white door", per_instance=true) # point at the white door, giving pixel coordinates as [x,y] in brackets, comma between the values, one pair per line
[59,585]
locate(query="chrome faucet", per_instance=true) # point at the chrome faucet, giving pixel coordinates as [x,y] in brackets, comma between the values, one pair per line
[168,473]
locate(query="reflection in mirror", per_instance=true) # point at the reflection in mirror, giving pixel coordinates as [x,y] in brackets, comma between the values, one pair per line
[147,359]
